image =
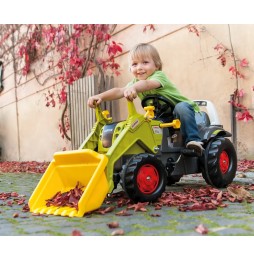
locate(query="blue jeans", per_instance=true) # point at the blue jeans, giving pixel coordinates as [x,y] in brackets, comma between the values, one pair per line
[189,129]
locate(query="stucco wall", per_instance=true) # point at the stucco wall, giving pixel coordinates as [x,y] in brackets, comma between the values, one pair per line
[29,130]
[191,63]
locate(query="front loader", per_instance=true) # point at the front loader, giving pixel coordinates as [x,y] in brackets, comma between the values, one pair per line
[144,153]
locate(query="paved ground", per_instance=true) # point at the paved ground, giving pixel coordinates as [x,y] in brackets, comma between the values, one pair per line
[237,219]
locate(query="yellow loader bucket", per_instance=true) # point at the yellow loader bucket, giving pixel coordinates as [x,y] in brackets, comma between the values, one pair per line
[85,167]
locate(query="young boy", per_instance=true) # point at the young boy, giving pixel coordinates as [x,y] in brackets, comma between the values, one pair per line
[146,66]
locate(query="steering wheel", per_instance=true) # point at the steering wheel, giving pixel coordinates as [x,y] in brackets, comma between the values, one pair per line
[162,105]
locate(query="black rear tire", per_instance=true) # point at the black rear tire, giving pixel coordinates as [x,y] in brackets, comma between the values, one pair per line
[219,162]
[144,178]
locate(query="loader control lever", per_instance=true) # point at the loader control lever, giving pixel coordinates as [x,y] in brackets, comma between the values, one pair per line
[106,114]
[175,124]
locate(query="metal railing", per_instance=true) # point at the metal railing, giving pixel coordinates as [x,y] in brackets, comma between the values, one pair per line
[82,118]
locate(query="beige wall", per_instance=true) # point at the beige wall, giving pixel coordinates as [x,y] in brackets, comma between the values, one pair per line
[191,63]
[29,130]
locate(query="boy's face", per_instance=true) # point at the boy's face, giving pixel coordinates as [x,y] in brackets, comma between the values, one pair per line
[143,67]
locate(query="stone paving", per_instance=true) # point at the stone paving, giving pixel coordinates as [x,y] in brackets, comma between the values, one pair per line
[235,220]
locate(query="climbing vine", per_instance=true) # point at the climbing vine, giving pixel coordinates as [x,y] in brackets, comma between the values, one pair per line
[226,56]
[70,52]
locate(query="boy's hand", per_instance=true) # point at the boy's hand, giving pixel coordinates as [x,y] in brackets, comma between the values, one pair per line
[93,101]
[130,94]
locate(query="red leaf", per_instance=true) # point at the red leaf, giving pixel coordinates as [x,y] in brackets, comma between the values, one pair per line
[123,213]
[219,47]
[219,196]
[76,233]
[103,211]
[201,229]
[14,194]
[66,199]
[245,165]
[139,206]
[244,63]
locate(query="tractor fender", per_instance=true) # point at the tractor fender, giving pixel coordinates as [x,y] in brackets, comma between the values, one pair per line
[207,133]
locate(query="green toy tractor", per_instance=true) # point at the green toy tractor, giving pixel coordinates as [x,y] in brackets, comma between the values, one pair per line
[144,154]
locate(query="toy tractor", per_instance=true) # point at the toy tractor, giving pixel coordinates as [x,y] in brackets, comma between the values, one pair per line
[144,154]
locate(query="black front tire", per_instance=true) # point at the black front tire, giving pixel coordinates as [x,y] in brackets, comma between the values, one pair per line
[144,178]
[219,163]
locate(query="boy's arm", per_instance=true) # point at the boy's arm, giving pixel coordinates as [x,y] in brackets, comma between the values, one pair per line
[112,94]
[130,93]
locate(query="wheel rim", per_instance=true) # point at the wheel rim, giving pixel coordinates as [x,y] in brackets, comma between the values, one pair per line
[224,162]
[147,179]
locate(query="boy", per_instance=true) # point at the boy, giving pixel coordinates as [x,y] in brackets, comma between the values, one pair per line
[146,66]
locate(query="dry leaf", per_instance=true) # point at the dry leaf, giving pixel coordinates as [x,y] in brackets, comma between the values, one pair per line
[239,193]
[155,215]
[139,206]
[76,233]
[15,215]
[201,229]
[113,224]
[118,232]
[123,213]
[66,199]
[241,175]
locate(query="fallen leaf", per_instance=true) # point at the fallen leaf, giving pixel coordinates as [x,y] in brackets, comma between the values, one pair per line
[140,206]
[9,203]
[25,208]
[250,187]
[66,199]
[15,215]
[245,165]
[76,233]
[14,194]
[219,196]
[113,224]
[109,209]
[155,215]
[241,175]
[103,211]
[23,166]
[201,229]
[239,193]
[118,232]
[123,213]
[158,207]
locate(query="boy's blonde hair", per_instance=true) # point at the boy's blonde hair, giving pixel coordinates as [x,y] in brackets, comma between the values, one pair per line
[146,50]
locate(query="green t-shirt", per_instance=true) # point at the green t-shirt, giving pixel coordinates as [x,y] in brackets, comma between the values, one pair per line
[167,90]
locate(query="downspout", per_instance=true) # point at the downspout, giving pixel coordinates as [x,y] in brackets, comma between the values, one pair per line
[233,122]
[233,110]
